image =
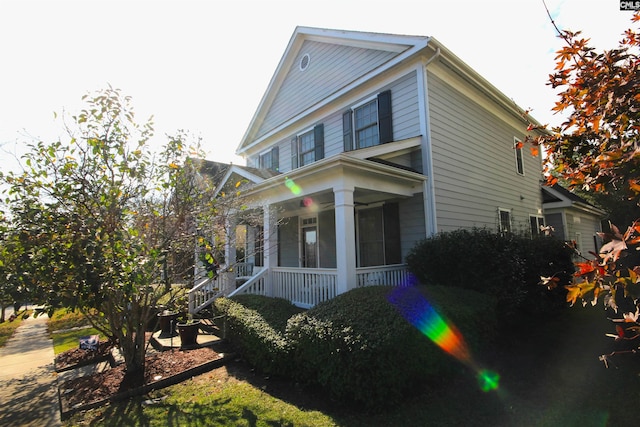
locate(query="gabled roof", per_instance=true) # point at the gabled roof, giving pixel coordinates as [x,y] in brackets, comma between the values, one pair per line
[556,196]
[401,46]
[253,175]
[400,49]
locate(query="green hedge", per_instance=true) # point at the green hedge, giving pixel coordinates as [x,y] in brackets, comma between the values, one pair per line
[505,266]
[360,349]
[357,346]
[255,326]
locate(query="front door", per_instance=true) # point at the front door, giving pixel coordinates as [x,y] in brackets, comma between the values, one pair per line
[309,243]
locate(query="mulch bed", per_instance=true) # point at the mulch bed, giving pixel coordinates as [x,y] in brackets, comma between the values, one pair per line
[162,369]
[78,357]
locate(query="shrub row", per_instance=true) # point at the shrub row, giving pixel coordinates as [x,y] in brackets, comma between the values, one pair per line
[358,346]
[505,266]
[255,325]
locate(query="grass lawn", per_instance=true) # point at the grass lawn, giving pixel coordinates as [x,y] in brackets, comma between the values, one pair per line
[66,328]
[7,328]
[69,339]
[550,375]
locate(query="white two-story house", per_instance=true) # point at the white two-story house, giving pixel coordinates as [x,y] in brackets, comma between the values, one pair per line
[364,144]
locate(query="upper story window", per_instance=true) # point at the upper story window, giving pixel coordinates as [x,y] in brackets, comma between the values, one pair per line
[518,146]
[269,159]
[307,147]
[368,124]
[365,120]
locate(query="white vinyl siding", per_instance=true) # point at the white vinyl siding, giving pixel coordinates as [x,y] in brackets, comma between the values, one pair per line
[406,123]
[473,162]
[332,68]
[412,223]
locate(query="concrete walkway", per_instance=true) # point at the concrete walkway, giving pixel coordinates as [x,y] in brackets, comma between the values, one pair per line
[28,393]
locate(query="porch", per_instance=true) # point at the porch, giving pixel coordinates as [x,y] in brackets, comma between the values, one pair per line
[304,287]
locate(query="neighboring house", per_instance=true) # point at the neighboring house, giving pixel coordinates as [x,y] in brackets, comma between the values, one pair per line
[573,219]
[371,143]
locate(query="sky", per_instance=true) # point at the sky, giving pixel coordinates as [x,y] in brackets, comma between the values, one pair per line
[203,66]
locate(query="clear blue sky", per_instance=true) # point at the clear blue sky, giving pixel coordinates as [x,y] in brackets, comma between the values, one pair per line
[203,66]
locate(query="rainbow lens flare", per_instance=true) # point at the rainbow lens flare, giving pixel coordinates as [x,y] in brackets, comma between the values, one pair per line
[415,308]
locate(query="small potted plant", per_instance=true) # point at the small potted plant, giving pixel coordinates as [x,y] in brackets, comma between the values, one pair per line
[188,330]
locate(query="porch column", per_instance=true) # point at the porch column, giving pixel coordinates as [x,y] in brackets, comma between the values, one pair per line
[229,277]
[345,239]
[230,243]
[270,244]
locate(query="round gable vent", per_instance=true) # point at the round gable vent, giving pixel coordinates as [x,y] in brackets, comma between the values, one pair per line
[304,62]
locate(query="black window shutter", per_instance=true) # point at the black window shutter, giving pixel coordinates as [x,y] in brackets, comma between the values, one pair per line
[275,161]
[318,140]
[384,117]
[294,152]
[347,132]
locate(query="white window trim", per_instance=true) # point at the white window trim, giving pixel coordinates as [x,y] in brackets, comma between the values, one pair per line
[301,227]
[260,154]
[353,118]
[298,148]
[500,210]
[515,152]
[538,217]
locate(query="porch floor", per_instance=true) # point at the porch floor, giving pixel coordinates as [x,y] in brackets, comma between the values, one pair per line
[167,342]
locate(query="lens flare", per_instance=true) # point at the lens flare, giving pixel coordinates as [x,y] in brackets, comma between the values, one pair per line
[292,186]
[488,380]
[414,307]
[417,310]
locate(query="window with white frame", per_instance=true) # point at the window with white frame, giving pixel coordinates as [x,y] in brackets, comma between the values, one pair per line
[504,216]
[518,148]
[368,123]
[537,224]
[269,159]
[365,122]
[307,147]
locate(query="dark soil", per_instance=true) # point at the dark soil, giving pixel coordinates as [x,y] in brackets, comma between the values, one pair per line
[78,357]
[112,382]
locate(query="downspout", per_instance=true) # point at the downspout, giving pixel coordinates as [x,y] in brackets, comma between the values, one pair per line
[431,225]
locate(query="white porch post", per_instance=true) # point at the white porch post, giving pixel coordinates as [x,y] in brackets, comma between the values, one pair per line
[250,253]
[230,243]
[345,239]
[229,277]
[270,244]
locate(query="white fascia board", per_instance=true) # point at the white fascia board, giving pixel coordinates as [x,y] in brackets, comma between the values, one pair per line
[317,169]
[238,171]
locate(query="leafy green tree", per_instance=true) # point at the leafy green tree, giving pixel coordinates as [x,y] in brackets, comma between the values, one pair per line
[103,223]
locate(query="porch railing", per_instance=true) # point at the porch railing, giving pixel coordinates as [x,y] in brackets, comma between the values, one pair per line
[388,275]
[257,284]
[304,287]
[208,289]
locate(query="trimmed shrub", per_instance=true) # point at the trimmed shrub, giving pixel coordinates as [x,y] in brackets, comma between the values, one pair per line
[255,327]
[505,266]
[360,349]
